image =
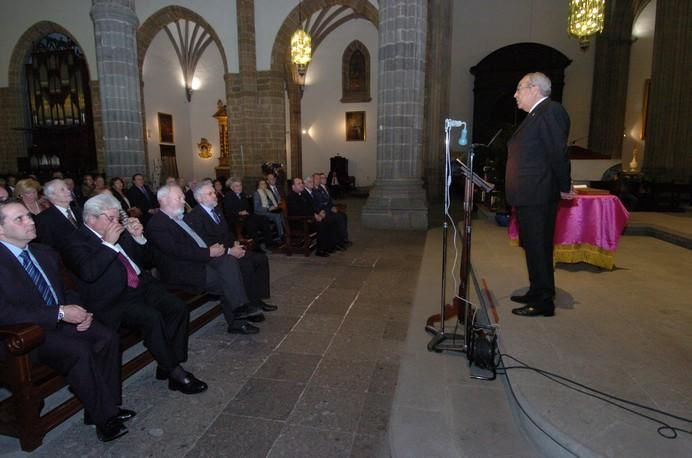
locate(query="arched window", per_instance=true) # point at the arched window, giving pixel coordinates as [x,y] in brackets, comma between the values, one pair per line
[355,73]
[59,101]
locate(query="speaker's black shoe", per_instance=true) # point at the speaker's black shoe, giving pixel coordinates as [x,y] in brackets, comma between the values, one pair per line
[112,430]
[267,307]
[532,310]
[321,253]
[242,327]
[521,298]
[189,385]
[122,415]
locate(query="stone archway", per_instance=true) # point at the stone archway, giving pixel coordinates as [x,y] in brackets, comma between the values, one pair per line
[15,102]
[320,28]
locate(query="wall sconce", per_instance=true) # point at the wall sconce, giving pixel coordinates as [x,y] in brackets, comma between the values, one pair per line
[204,149]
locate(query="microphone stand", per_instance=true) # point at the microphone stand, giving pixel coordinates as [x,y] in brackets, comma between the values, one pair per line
[459,342]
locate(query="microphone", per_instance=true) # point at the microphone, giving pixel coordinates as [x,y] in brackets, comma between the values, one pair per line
[463,138]
[454,123]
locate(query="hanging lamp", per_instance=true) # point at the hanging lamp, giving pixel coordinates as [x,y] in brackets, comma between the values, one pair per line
[586,18]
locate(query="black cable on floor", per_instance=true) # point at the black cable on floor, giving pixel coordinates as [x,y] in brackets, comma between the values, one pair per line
[607,398]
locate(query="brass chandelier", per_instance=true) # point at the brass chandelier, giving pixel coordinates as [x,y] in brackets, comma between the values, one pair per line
[585,18]
[301,46]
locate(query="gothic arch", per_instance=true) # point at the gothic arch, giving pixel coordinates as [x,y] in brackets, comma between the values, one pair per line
[160,19]
[360,93]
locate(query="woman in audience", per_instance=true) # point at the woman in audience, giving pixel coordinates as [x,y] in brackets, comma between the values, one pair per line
[265,205]
[27,191]
[87,188]
[99,184]
[218,187]
[118,191]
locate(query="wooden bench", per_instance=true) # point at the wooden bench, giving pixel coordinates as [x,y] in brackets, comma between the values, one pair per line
[300,233]
[30,383]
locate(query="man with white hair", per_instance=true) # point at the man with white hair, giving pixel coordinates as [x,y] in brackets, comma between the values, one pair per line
[109,260]
[537,176]
[56,223]
[184,259]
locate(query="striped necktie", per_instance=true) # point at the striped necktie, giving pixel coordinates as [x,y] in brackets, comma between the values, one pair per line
[215,217]
[37,278]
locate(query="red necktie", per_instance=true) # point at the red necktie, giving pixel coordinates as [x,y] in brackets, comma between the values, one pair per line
[132,278]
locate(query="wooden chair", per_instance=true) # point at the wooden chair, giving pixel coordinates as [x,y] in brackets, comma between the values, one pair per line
[300,232]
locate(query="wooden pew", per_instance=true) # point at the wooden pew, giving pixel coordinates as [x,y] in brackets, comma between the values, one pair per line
[300,232]
[30,383]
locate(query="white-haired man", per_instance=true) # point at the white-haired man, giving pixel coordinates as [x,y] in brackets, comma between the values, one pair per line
[109,259]
[56,223]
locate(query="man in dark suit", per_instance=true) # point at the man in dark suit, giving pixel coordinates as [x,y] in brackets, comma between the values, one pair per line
[537,176]
[142,197]
[109,261]
[301,204]
[325,202]
[85,351]
[56,223]
[184,258]
[210,224]
[236,209]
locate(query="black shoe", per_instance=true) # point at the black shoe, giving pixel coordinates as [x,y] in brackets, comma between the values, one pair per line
[112,430]
[252,317]
[267,307]
[122,415]
[532,310]
[189,385]
[242,327]
[521,298]
[321,253]
[163,374]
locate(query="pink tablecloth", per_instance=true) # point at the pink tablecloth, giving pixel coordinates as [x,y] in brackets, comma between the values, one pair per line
[587,229]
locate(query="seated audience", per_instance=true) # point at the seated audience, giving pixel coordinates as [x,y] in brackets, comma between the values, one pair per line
[109,261]
[56,224]
[79,347]
[236,209]
[219,189]
[266,205]
[273,187]
[75,204]
[184,259]
[325,202]
[210,224]
[87,187]
[187,190]
[99,184]
[301,204]
[4,195]
[142,197]
[27,191]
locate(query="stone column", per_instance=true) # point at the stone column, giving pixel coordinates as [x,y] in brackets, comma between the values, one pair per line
[439,52]
[610,78]
[669,134]
[398,200]
[115,31]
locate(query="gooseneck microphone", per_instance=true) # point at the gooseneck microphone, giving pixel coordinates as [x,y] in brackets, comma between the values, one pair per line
[464,137]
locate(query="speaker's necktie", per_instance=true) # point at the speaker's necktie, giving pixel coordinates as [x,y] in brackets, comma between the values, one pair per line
[132,278]
[37,278]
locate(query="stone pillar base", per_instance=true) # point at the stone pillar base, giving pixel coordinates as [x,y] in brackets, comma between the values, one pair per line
[397,204]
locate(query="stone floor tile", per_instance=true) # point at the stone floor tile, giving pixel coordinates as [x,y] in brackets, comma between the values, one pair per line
[384,378]
[268,399]
[311,343]
[354,348]
[396,330]
[370,446]
[362,327]
[328,409]
[344,375]
[288,366]
[328,308]
[327,324]
[302,442]
[235,436]
[277,324]
[374,417]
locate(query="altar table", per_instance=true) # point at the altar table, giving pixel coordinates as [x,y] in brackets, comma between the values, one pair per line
[587,229]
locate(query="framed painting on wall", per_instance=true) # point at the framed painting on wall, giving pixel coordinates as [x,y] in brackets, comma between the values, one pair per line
[355,126]
[165,128]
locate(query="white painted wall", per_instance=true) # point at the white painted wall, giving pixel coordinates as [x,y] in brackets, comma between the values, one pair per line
[323,114]
[164,92]
[483,26]
[641,56]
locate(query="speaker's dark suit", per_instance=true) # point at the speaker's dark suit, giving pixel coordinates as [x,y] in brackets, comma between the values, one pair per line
[145,200]
[54,229]
[254,266]
[303,205]
[161,317]
[538,169]
[89,359]
[181,261]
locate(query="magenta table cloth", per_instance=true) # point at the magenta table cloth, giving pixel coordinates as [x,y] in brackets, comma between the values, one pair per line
[587,229]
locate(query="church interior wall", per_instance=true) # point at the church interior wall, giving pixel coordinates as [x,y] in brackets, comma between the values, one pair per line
[164,92]
[482,26]
[323,114]
[641,56]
